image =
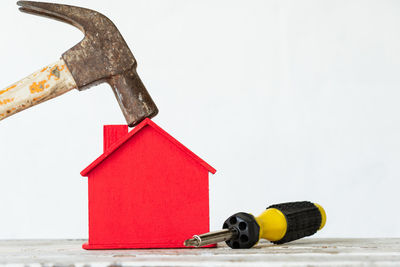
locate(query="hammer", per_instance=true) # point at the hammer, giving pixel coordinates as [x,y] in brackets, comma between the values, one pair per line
[101,56]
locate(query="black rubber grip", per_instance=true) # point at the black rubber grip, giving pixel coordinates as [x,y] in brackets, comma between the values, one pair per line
[303,219]
[246,228]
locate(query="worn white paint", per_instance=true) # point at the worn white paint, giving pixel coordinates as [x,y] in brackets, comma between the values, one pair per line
[304,252]
[49,82]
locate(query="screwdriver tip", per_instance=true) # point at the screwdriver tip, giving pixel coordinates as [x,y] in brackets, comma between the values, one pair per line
[193,242]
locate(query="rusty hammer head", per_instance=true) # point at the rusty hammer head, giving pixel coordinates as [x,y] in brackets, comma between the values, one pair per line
[102,56]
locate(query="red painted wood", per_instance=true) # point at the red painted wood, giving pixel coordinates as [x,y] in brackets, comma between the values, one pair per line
[147,191]
[146,122]
[111,134]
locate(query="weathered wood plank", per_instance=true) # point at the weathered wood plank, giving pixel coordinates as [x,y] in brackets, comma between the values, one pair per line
[305,252]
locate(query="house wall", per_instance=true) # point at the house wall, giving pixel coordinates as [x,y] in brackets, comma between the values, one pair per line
[148,193]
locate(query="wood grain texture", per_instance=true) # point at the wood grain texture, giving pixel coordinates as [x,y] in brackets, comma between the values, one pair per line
[304,252]
[49,82]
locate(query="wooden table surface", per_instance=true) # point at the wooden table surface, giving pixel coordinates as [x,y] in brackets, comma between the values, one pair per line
[304,252]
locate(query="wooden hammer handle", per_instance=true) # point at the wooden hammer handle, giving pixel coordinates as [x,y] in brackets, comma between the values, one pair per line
[47,83]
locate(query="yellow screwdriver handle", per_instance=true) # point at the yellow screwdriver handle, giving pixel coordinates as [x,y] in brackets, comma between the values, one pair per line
[286,222]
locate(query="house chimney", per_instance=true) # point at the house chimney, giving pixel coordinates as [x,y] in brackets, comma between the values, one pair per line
[113,133]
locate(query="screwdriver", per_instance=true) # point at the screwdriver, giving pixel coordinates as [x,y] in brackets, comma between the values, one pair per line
[279,223]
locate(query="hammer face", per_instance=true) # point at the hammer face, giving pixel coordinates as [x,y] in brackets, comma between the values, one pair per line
[135,102]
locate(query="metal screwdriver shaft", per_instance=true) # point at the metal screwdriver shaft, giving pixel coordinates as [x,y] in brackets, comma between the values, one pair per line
[211,238]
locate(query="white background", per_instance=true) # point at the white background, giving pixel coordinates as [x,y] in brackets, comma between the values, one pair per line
[288,100]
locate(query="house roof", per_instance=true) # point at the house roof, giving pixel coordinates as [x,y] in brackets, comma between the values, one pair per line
[146,122]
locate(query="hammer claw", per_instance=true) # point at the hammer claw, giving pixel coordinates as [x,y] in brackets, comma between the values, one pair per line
[44,14]
[63,13]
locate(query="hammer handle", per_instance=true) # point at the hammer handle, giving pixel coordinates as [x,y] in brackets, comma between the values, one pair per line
[49,82]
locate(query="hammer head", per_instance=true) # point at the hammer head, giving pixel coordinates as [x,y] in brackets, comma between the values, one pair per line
[102,56]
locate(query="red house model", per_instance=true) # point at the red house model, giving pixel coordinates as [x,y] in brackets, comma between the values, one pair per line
[146,190]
